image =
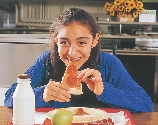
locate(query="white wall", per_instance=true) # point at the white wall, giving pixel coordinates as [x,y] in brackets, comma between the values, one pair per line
[2,92]
[16,59]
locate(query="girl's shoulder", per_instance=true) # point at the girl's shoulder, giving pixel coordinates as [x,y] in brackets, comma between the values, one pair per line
[109,59]
[44,55]
[107,56]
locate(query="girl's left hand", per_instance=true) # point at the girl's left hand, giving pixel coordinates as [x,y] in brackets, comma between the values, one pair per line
[93,80]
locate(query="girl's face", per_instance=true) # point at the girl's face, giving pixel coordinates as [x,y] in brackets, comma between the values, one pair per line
[75,43]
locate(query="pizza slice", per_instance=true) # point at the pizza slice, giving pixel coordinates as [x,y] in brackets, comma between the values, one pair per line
[70,78]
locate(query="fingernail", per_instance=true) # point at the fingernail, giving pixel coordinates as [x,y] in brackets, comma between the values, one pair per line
[68,100]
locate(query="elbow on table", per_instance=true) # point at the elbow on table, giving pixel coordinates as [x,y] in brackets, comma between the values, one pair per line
[147,108]
[8,103]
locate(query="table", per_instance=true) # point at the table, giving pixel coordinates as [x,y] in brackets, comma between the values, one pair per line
[145,118]
[139,118]
[5,115]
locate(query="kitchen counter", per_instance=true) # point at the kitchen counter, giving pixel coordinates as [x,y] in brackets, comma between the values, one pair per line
[133,52]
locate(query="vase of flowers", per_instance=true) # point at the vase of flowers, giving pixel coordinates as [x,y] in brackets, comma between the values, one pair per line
[128,9]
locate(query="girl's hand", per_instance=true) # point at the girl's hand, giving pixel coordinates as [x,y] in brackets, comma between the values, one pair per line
[93,79]
[56,91]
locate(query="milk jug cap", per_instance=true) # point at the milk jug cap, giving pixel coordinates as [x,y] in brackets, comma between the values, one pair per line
[23,76]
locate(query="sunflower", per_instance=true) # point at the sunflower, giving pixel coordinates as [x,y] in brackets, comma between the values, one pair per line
[135,14]
[124,7]
[127,9]
[117,2]
[107,6]
[112,13]
[114,7]
[139,4]
[126,3]
[141,10]
[121,8]
[131,5]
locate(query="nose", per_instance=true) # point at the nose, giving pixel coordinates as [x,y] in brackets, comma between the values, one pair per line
[72,51]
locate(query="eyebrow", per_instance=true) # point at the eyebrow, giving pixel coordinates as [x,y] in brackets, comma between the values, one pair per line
[63,38]
[77,38]
[82,38]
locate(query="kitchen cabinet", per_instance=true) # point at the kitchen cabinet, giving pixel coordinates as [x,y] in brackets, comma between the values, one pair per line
[131,24]
[130,35]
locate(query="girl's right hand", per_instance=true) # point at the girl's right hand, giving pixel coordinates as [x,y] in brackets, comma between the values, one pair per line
[56,91]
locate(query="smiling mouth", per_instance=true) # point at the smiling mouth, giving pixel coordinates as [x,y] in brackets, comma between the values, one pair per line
[73,60]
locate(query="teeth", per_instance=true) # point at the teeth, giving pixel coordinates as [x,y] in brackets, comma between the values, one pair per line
[75,59]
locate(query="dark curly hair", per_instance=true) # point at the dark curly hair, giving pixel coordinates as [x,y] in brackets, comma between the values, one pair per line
[67,18]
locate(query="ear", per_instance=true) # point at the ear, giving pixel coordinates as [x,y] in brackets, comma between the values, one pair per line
[96,39]
[55,38]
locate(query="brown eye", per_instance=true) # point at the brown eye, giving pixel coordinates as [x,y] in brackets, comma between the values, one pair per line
[82,42]
[64,43]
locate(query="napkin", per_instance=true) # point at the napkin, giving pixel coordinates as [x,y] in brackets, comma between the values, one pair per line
[118,118]
[40,117]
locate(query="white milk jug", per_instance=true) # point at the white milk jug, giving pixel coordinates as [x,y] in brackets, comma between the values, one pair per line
[23,102]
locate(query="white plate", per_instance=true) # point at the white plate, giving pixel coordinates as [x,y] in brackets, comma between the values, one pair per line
[94,114]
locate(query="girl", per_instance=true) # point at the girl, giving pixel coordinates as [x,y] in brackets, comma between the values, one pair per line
[75,37]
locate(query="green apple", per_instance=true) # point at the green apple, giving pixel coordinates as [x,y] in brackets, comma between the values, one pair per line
[62,117]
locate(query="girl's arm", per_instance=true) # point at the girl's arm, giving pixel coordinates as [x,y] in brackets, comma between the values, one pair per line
[38,76]
[120,90]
